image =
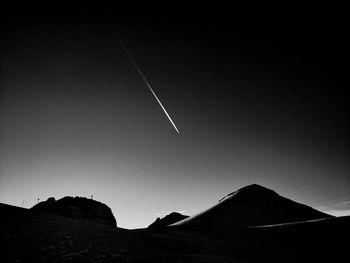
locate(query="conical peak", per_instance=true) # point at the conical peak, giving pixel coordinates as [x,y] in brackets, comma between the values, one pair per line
[253,190]
[256,188]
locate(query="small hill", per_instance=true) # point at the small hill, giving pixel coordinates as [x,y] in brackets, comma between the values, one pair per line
[253,205]
[78,208]
[172,218]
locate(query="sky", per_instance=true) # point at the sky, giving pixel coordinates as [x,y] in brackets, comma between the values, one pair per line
[257,99]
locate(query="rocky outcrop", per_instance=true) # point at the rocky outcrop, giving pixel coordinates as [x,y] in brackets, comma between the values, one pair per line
[78,208]
[172,218]
[253,205]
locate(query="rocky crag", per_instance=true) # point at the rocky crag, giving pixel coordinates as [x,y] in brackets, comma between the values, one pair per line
[78,208]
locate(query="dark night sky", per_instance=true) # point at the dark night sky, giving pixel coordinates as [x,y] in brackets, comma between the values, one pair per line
[257,98]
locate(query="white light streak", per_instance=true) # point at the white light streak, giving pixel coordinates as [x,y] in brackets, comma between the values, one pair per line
[148,85]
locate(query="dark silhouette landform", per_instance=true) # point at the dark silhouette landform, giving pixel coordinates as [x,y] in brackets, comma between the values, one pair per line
[167,220]
[79,208]
[252,224]
[253,205]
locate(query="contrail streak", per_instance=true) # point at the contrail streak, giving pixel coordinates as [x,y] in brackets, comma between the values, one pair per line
[148,85]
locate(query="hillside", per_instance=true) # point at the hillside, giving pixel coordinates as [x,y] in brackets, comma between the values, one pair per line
[253,205]
[216,235]
[32,236]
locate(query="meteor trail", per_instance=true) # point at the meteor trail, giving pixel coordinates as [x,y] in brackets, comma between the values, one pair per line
[148,85]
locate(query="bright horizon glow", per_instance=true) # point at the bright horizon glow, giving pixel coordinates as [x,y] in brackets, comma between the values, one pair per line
[150,216]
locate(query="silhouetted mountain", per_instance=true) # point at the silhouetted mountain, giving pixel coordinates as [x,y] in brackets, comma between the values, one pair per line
[252,205]
[167,220]
[78,207]
[34,236]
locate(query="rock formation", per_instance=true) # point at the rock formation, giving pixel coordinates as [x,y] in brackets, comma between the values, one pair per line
[79,208]
[172,218]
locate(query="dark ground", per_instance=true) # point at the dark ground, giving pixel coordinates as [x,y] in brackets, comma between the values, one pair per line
[28,236]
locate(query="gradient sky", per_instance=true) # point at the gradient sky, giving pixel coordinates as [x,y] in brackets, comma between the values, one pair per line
[256,101]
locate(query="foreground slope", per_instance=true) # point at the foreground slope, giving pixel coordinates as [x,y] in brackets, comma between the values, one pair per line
[252,205]
[31,236]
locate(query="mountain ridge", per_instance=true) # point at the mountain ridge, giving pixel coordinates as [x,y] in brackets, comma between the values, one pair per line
[253,205]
